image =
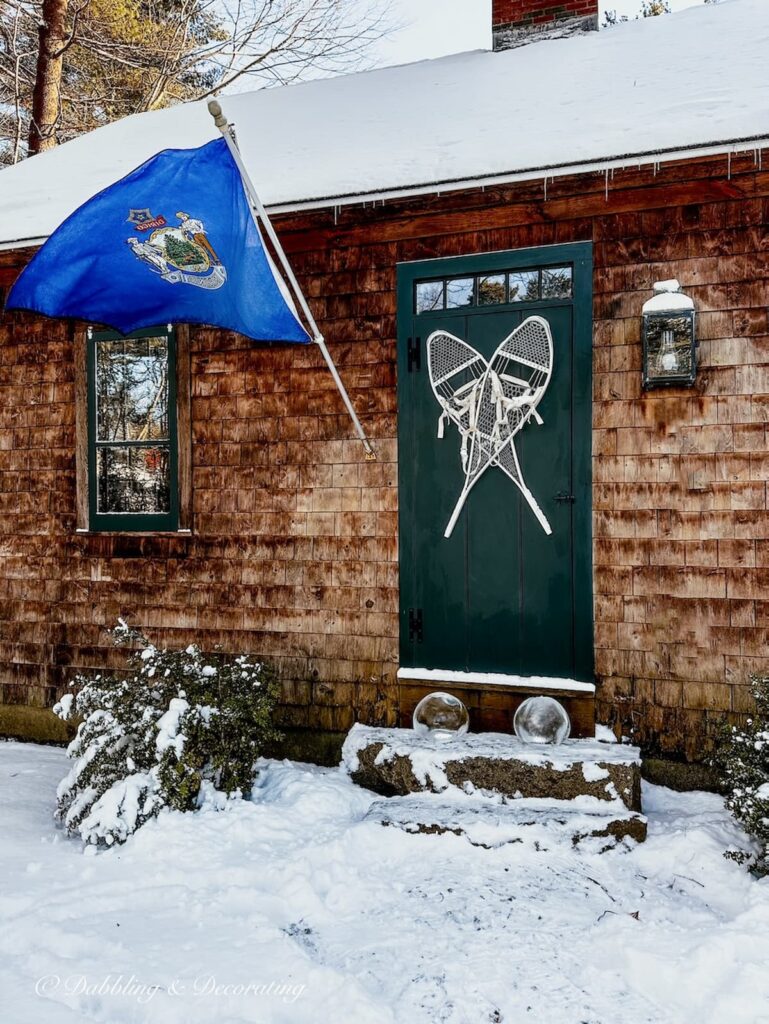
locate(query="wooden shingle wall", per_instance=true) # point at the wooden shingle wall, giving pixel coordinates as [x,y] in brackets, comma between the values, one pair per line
[293,553]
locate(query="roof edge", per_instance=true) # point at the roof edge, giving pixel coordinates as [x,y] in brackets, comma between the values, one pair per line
[728,147]
[746,144]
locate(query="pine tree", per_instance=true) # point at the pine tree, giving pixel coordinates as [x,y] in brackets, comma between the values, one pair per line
[742,758]
[181,252]
[177,728]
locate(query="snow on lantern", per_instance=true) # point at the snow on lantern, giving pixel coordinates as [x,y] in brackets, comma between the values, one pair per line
[669,343]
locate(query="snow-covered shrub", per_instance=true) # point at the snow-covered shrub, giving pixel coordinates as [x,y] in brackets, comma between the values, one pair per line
[742,757]
[174,727]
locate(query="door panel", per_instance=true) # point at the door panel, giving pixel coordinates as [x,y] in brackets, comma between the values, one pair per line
[520,579]
[499,595]
[431,469]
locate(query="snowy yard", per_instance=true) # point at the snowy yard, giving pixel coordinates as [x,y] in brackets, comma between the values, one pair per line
[293,908]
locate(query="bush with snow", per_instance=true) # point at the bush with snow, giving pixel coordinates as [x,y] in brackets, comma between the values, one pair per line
[177,728]
[743,759]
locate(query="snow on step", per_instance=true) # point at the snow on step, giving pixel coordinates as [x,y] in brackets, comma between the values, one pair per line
[398,762]
[490,679]
[490,823]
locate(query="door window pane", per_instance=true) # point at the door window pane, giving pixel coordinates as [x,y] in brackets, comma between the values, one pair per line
[492,289]
[132,479]
[429,296]
[460,292]
[524,286]
[556,283]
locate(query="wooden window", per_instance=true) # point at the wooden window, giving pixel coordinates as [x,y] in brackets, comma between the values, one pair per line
[133,431]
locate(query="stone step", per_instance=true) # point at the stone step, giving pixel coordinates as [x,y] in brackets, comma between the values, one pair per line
[541,824]
[396,762]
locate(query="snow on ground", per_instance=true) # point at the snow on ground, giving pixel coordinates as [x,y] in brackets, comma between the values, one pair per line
[332,919]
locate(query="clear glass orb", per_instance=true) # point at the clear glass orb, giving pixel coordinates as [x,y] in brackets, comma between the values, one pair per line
[441,716]
[541,720]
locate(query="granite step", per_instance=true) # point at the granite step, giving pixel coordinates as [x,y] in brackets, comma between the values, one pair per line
[398,762]
[540,824]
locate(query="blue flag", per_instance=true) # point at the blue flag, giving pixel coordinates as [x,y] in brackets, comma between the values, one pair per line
[172,242]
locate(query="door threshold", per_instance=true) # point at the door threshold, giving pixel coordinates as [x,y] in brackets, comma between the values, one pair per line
[494,679]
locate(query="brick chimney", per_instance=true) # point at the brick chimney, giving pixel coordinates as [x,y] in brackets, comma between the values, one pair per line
[517,22]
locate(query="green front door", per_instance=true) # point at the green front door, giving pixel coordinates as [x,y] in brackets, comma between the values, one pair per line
[498,595]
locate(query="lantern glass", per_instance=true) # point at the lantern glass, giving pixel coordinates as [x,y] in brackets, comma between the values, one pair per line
[669,349]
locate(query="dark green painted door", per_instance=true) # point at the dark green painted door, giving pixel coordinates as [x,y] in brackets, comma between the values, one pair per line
[499,595]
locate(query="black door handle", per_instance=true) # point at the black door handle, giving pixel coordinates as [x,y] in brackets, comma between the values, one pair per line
[564,496]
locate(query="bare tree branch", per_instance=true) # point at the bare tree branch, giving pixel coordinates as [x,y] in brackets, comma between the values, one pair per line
[119,58]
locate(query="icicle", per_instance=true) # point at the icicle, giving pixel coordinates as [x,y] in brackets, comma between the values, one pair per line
[545,184]
[606,184]
[729,165]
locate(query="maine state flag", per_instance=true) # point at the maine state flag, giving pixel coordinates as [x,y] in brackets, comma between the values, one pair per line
[172,242]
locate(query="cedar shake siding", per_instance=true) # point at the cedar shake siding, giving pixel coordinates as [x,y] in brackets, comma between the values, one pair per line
[294,552]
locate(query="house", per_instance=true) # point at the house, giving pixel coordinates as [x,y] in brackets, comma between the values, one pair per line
[559,176]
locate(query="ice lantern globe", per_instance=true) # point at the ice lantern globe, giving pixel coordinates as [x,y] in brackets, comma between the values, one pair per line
[669,342]
[541,720]
[441,717]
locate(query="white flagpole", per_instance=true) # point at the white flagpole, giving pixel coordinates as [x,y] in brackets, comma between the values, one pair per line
[260,214]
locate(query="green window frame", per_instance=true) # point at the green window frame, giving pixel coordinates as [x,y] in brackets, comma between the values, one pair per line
[131,450]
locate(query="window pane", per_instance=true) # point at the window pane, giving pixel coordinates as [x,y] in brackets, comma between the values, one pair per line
[132,480]
[459,292]
[429,296]
[491,290]
[524,286]
[132,389]
[556,283]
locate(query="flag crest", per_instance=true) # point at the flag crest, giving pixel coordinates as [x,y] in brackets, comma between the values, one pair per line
[172,242]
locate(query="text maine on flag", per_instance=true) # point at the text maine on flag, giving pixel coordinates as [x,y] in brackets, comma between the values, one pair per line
[173,241]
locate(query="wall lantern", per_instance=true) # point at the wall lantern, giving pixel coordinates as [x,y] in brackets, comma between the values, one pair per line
[669,341]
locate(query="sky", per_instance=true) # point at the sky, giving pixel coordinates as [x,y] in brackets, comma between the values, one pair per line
[432,28]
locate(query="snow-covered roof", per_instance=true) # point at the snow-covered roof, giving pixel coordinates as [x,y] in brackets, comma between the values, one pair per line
[655,88]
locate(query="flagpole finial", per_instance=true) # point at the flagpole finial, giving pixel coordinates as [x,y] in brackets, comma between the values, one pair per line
[215,110]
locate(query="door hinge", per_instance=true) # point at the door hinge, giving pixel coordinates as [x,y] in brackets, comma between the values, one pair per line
[564,496]
[414,351]
[416,632]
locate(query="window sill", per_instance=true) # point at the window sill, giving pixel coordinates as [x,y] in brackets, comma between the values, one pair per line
[130,544]
[84,532]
